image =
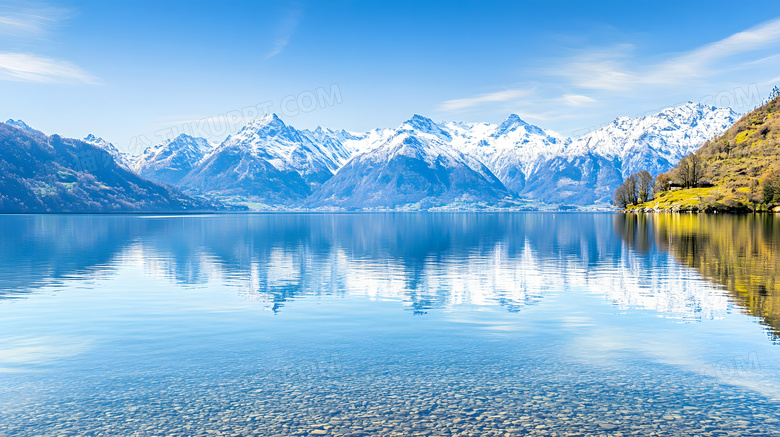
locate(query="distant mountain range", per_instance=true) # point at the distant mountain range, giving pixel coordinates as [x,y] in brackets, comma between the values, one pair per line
[171,161]
[411,169]
[422,164]
[53,174]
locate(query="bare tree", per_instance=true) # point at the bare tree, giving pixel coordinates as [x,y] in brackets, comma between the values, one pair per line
[620,198]
[697,168]
[628,192]
[632,188]
[690,170]
[644,185]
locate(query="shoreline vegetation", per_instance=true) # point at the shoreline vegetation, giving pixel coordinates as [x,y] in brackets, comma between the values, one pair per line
[738,172]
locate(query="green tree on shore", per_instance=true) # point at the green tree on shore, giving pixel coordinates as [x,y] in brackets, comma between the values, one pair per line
[771,190]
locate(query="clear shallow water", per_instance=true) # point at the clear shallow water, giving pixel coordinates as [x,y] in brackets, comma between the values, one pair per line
[382,324]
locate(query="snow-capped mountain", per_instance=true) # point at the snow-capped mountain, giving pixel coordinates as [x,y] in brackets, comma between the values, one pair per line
[656,142]
[172,160]
[511,150]
[589,169]
[285,148]
[266,161]
[543,165]
[335,145]
[530,161]
[415,167]
[19,124]
[121,158]
[425,162]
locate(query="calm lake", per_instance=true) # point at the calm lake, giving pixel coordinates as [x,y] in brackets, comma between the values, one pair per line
[390,324]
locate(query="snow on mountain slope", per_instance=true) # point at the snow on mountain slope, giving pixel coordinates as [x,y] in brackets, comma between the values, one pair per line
[19,124]
[547,166]
[656,142]
[416,167]
[267,161]
[274,162]
[511,150]
[237,172]
[590,168]
[286,149]
[121,158]
[334,144]
[348,144]
[170,161]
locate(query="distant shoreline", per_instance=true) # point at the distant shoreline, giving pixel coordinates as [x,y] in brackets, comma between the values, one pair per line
[736,211]
[280,211]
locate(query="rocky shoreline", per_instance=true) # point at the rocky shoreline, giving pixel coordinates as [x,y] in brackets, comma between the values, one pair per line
[701,209]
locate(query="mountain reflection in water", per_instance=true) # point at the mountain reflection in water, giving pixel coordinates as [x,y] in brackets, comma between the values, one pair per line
[388,324]
[429,261]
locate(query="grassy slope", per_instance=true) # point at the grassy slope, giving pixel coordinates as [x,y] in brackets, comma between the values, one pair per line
[748,151]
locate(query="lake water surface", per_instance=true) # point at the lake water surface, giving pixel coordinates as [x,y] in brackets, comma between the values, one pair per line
[390,324]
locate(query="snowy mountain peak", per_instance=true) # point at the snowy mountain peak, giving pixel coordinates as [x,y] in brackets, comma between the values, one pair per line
[514,119]
[410,165]
[512,123]
[120,157]
[773,94]
[268,121]
[20,125]
[425,125]
[261,130]
[315,155]
[687,108]
[189,141]
[655,141]
[170,161]
[97,141]
[419,123]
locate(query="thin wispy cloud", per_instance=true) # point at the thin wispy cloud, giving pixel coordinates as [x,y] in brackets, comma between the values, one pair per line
[537,116]
[285,32]
[470,102]
[763,36]
[616,68]
[30,22]
[577,100]
[772,81]
[26,67]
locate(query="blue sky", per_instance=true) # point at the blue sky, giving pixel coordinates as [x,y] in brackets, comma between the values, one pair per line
[135,72]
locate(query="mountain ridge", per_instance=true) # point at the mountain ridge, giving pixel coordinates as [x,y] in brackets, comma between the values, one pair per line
[273,164]
[44,174]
